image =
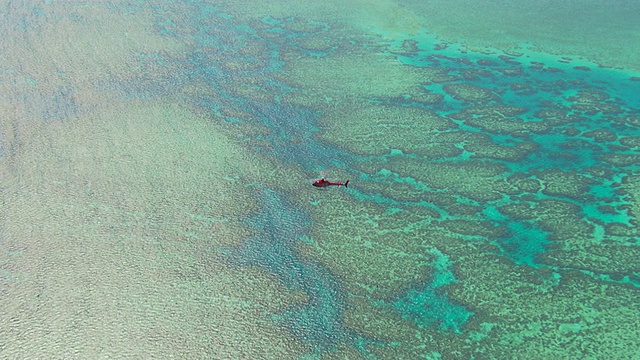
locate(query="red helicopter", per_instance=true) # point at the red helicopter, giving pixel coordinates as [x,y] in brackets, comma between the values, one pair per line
[322,183]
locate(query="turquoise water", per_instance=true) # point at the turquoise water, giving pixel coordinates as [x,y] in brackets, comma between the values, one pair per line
[428,306]
[491,210]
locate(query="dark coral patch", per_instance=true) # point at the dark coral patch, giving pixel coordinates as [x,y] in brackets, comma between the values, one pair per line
[564,220]
[475,74]
[631,141]
[593,96]
[469,93]
[509,60]
[558,116]
[571,131]
[501,119]
[622,230]
[566,184]
[518,211]
[513,71]
[601,135]
[499,109]
[464,61]
[416,96]
[599,172]
[522,89]
[409,47]
[457,209]
[621,159]
[440,46]
[594,108]
[579,144]
[633,120]
[524,182]
[607,209]
[490,150]
[485,62]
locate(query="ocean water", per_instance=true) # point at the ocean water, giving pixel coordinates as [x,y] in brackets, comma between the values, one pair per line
[157,159]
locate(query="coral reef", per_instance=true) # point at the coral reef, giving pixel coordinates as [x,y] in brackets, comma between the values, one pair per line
[469,93]
[492,212]
[369,129]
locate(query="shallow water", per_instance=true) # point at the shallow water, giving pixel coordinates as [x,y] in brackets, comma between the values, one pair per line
[156,201]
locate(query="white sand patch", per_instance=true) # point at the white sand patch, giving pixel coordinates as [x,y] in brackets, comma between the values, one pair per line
[110,229]
[83,44]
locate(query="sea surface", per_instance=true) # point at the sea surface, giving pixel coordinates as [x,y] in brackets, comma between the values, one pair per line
[156,161]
